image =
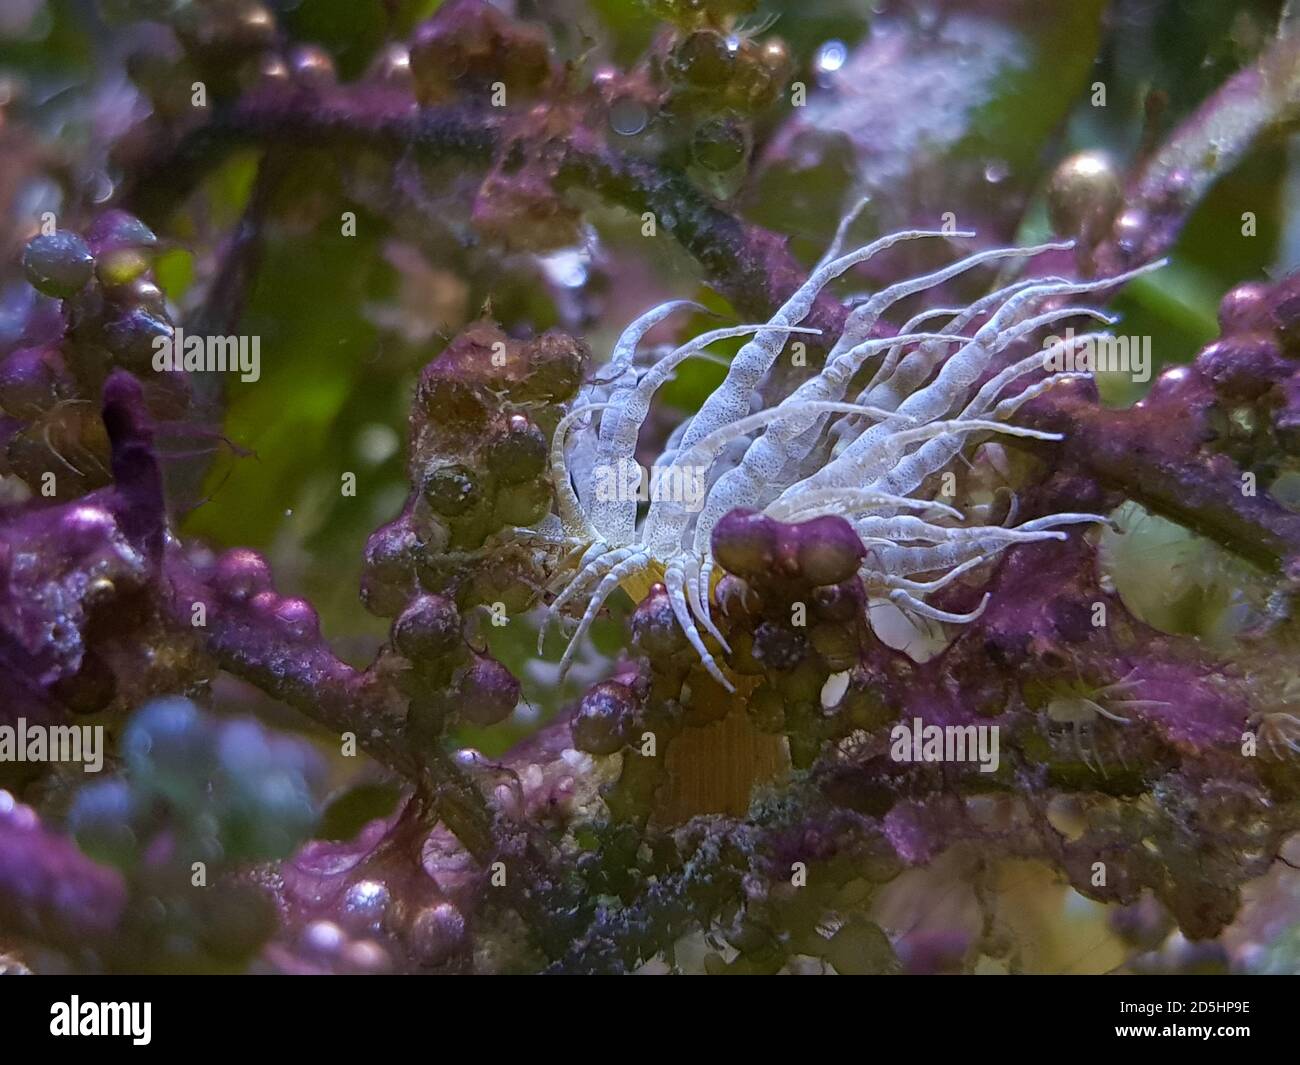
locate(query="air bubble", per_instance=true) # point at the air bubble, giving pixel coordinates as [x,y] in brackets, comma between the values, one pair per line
[996,172]
[568,267]
[628,116]
[830,57]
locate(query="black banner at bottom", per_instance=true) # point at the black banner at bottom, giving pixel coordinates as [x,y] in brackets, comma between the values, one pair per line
[334,1015]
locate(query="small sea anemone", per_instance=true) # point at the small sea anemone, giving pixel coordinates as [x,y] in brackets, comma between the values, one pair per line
[1279,733]
[1082,709]
[818,451]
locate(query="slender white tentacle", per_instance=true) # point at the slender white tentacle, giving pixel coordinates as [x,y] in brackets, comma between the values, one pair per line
[584,578]
[675,583]
[904,598]
[626,567]
[566,499]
